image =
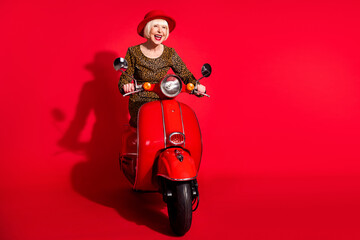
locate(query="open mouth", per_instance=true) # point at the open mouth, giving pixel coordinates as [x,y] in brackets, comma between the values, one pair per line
[158,37]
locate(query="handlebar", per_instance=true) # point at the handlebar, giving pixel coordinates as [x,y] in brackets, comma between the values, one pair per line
[154,87]
[121,64]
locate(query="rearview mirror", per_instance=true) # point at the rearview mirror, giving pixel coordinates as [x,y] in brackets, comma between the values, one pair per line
[206,70]
[120,63]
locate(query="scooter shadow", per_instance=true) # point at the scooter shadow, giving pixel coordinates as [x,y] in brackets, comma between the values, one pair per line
[145,209]
[96,184]
[99,178]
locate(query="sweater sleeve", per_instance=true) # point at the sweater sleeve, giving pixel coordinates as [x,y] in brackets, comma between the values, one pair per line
[180,69]
[124,79]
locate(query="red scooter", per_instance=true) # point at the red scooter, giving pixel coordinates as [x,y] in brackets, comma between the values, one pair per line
[164,153]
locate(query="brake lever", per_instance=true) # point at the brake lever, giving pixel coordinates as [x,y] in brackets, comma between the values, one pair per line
[197,92]
[129,93]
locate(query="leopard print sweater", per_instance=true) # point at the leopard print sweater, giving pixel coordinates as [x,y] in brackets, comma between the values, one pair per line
[152,70]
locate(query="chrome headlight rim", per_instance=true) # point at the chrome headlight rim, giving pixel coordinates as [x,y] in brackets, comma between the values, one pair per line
[165,91]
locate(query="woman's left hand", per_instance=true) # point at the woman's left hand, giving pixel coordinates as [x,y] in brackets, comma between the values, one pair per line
[201,88]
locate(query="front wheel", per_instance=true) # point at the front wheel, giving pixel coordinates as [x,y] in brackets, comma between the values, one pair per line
[180,207]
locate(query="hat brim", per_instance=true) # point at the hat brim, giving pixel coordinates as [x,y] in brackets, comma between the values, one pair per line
[171,22]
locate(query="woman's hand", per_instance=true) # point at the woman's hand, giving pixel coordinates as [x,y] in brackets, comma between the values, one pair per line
[201,88]
[128,87]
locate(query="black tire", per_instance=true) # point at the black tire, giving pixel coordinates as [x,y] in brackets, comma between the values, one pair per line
[180,207]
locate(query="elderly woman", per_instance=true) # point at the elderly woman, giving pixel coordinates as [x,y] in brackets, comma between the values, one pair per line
[150,61]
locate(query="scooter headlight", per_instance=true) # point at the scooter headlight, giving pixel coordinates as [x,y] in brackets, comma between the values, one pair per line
[171,86]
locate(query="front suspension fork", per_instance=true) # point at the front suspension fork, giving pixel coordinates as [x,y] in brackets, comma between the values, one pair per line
[167,191]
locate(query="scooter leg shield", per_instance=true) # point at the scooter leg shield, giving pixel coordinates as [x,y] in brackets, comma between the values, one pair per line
[176,164]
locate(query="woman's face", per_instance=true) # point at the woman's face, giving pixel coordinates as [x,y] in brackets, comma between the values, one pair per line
[158,33]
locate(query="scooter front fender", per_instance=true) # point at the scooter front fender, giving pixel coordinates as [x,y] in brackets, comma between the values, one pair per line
[176,164]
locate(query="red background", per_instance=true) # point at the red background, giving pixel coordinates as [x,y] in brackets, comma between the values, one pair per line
[280,131]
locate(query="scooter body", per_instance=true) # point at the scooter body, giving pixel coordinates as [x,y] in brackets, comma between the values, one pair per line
[168,144]
[164,153]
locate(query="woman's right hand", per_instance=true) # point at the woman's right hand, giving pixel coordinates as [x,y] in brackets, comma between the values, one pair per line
[128,87]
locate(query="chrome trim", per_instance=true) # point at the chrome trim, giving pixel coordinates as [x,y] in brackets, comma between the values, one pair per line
[138,140]
[182,122]
[177,179]
[162,110]
[177,143]
[200,139]
[129,154]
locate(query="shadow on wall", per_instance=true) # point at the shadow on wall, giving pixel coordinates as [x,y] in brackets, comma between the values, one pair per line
[99,178]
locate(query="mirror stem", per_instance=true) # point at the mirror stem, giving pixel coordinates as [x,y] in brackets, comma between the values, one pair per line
[200,78]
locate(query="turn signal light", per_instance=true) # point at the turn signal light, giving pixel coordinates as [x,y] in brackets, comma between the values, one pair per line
[190,87]
[147,86]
